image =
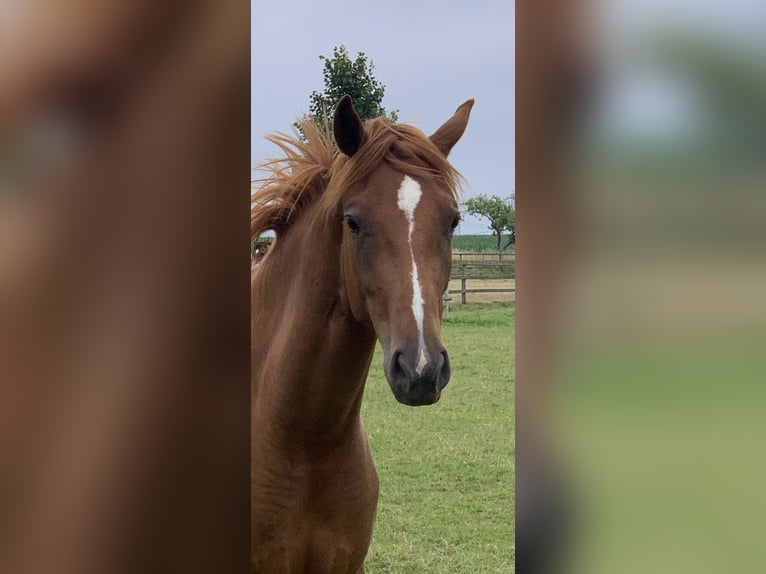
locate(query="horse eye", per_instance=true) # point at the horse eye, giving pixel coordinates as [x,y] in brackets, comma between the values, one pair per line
[353,226]
[455,221]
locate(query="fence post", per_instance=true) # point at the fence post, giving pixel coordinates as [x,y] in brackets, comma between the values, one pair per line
[445,302]
[462,292]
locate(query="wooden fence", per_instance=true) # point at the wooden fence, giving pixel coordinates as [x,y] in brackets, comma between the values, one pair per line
[467,269]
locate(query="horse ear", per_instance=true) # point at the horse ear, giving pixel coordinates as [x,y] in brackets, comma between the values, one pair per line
[347,127]
[451,130]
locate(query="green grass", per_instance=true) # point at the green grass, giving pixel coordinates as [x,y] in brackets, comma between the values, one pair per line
[478,243]
[447,470]
[664,439]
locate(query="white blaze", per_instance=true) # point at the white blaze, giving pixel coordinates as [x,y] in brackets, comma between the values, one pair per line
[408,198]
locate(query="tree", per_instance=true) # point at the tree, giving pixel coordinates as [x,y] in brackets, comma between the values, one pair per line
[510,226]
[500,213]
[353,77]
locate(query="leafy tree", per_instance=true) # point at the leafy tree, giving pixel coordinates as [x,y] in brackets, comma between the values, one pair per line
[500,213]
[510,226]
[342,76]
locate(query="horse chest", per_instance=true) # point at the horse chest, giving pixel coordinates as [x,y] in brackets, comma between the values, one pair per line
[314,515]
[316,532]
[318,552]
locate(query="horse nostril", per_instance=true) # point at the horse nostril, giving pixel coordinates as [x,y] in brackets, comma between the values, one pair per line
[444,372]
[397,370]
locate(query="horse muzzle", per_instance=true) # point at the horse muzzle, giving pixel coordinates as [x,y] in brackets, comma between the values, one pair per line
[412,387]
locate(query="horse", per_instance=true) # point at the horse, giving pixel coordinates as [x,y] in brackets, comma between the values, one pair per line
[364,222]
[259,250]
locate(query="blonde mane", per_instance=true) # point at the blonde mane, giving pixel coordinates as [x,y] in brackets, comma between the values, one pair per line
[313,169]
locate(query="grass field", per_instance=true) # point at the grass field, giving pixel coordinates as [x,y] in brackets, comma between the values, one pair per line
[664,442]
[447,470]
[478,243]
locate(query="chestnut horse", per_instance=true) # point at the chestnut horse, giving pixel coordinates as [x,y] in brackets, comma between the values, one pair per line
[259,251]
[363,253]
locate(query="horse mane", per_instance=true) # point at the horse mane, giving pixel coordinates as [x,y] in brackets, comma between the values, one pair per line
[313,169]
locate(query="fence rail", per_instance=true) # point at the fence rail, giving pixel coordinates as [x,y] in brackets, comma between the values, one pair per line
[484,255]
[464,291]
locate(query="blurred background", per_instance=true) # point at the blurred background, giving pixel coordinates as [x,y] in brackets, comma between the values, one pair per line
[655,409]
[124,309]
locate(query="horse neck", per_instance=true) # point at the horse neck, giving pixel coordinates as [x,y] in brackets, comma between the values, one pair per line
[312,358]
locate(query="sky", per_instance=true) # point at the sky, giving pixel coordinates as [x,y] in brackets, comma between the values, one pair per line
[431,56]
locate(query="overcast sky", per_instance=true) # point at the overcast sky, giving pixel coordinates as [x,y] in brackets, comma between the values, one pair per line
[431,56]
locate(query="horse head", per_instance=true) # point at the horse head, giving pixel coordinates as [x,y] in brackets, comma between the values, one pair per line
[396,249]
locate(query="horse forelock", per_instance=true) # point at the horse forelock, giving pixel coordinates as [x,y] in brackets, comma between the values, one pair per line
[312,169]
[292,181]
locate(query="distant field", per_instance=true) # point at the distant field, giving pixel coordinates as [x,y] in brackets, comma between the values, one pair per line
[478,243]
[447,470]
